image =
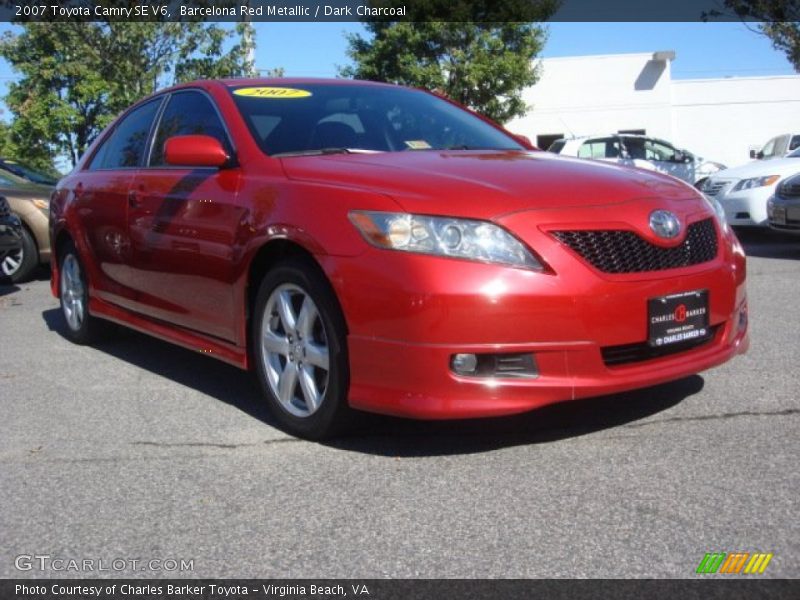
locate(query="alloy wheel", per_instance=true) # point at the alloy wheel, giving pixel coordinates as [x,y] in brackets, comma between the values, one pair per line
[11,262]
[72,292]
[295,350]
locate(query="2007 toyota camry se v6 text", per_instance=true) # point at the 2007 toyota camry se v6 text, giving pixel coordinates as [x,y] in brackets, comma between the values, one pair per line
[368,246]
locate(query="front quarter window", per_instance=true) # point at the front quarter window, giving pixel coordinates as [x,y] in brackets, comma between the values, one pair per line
[187,113]
[125,146]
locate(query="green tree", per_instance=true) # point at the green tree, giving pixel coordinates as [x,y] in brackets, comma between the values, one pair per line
[482,63]
[779,20]
[75,77]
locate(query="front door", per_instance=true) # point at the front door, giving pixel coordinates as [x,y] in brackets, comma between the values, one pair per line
[183,225]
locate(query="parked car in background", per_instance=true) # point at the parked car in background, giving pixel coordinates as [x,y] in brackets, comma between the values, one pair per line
[744,191]
[777,147]
[639,151]
[369,246]
[20,170]
[783,209]
[31,203]
[10,231]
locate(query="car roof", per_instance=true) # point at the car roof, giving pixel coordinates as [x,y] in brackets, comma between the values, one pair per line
[271,81]
[283,81]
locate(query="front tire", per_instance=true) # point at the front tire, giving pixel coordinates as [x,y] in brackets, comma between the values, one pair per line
[300,350]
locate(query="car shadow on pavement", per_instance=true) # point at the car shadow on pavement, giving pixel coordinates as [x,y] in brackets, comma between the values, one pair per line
[765,243]
[6,287]
[193,370]
[390,436]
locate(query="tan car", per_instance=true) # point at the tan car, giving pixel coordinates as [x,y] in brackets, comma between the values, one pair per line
[31,203]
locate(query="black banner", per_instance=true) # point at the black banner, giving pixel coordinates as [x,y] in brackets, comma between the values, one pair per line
[394,10]
[402,589]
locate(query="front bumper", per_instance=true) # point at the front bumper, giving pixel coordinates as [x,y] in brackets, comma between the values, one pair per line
[790,214]
[746,208]
[408,315]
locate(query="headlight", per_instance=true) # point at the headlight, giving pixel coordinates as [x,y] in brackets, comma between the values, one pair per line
[754,182]
[444,236]
[718,211]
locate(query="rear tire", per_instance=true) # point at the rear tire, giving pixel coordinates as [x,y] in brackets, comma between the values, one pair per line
[300,350]
[73,293]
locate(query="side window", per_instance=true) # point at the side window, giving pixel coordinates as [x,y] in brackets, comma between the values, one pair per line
[659,151]
[635,148]
[126,144]
[769,148]
[187,113]
[795,143]
[600,148]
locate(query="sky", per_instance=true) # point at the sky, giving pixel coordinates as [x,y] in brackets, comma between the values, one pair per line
[703,50]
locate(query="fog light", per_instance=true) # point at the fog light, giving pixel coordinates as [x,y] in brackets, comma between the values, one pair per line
[464,364]
[504,366]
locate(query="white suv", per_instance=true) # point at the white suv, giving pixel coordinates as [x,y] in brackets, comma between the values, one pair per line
[743,191]
[778,147]
[639,151]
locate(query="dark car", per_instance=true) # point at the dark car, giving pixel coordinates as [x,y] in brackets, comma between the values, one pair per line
[10,231]
[26,172]
[783,209]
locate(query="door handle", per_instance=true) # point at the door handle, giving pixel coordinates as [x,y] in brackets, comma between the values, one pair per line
[133,199]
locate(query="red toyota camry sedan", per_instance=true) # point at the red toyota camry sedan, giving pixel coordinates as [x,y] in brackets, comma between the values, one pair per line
[363,246]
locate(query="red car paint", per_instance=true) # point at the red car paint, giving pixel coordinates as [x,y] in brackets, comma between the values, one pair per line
[170,251]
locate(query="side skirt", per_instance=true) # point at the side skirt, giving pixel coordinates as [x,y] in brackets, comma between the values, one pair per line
[191,340]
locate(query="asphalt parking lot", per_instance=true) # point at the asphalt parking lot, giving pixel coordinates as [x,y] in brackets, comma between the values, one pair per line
[136,449]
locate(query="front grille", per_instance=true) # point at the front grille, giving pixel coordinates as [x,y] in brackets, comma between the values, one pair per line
[620,251]
[614,356]
[712,188]
[5,209]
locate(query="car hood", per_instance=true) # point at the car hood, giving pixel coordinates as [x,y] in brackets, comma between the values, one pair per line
[759,168]
[486,184]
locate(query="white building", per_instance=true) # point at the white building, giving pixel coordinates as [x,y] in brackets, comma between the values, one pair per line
[718,119]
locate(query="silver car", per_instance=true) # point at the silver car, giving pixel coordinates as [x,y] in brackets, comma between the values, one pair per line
[783,209]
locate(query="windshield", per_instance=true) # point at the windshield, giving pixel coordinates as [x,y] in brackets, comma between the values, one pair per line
[323,118]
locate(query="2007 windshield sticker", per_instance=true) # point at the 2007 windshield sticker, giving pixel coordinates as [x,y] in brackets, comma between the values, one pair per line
[272,92]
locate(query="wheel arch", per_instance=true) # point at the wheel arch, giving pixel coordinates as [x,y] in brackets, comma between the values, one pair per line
[61,239]
[266,257]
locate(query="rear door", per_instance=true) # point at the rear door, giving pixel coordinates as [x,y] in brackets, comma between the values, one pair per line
[184,224]
[100,194]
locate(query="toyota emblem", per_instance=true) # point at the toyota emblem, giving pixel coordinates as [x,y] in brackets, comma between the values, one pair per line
[665,224]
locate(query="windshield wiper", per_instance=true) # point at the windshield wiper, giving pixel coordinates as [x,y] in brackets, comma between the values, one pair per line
[322,151]
[468,147]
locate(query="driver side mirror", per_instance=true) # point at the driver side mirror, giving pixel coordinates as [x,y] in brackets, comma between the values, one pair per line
[195,151]
[682,157]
